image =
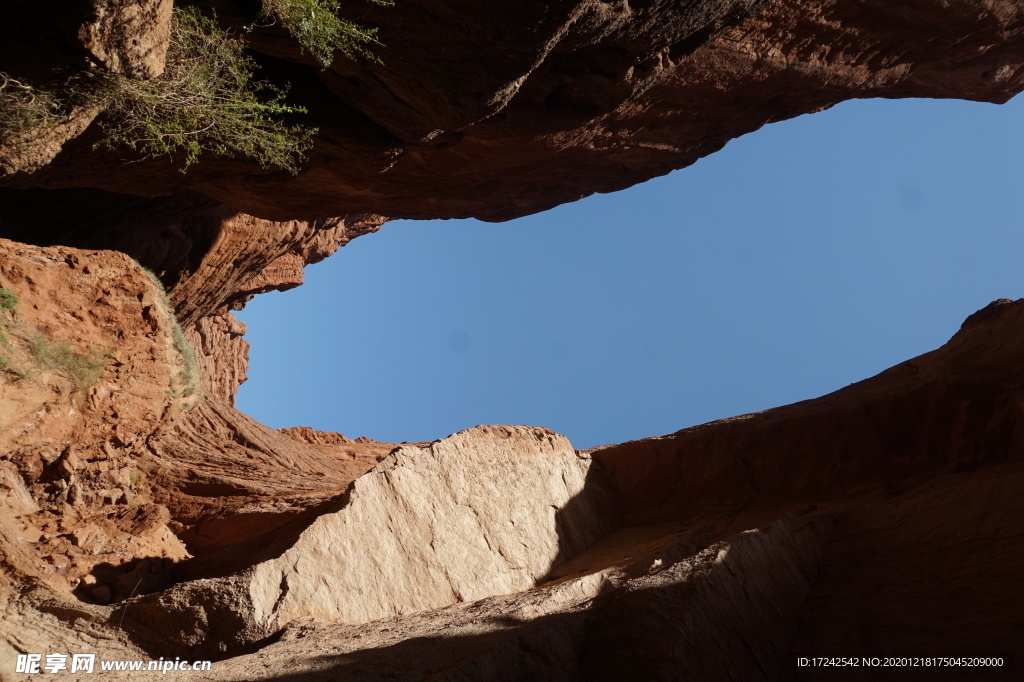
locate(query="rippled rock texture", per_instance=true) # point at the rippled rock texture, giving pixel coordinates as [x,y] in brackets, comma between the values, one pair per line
[143,514]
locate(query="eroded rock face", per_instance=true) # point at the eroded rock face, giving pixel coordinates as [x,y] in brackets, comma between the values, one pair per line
[745,540]
[89,372]
[884,517]
[361,450]
[226,477]
[734,558]
[42,43]
[210,258]
[487,511]
[31,150]
[222,353]
[949,411]
[686,607]
[126,36]
[499,111]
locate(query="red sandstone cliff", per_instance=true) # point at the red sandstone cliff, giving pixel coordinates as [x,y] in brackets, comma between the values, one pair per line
[143,516]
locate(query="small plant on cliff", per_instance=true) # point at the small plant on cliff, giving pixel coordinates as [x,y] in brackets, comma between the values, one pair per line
[206,101]
[24,108]
[188,377]
[8,304]
[83,370]
[8,301]
[315,24]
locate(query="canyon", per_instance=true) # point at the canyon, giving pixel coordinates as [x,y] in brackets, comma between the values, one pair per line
[145,517]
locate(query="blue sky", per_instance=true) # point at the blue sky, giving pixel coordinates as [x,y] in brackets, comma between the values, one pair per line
[801,258]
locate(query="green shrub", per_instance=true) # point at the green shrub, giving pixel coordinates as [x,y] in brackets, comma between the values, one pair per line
[206,101]
[83,370]
[8,300]
[8,304]
[24,108]
[189,375]
[316,26]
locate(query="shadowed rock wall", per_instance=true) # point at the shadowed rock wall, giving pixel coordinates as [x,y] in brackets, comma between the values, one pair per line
[884,517]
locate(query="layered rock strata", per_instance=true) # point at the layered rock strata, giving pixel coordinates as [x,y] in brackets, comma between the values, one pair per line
[867,539]
[499,111]
[143,513]
[725,549]
[89,371]
[677,607]
[486,511]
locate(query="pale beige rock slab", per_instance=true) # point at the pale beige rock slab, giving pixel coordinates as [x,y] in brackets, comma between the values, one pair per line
[722,609]
[429,527]
[484,512]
